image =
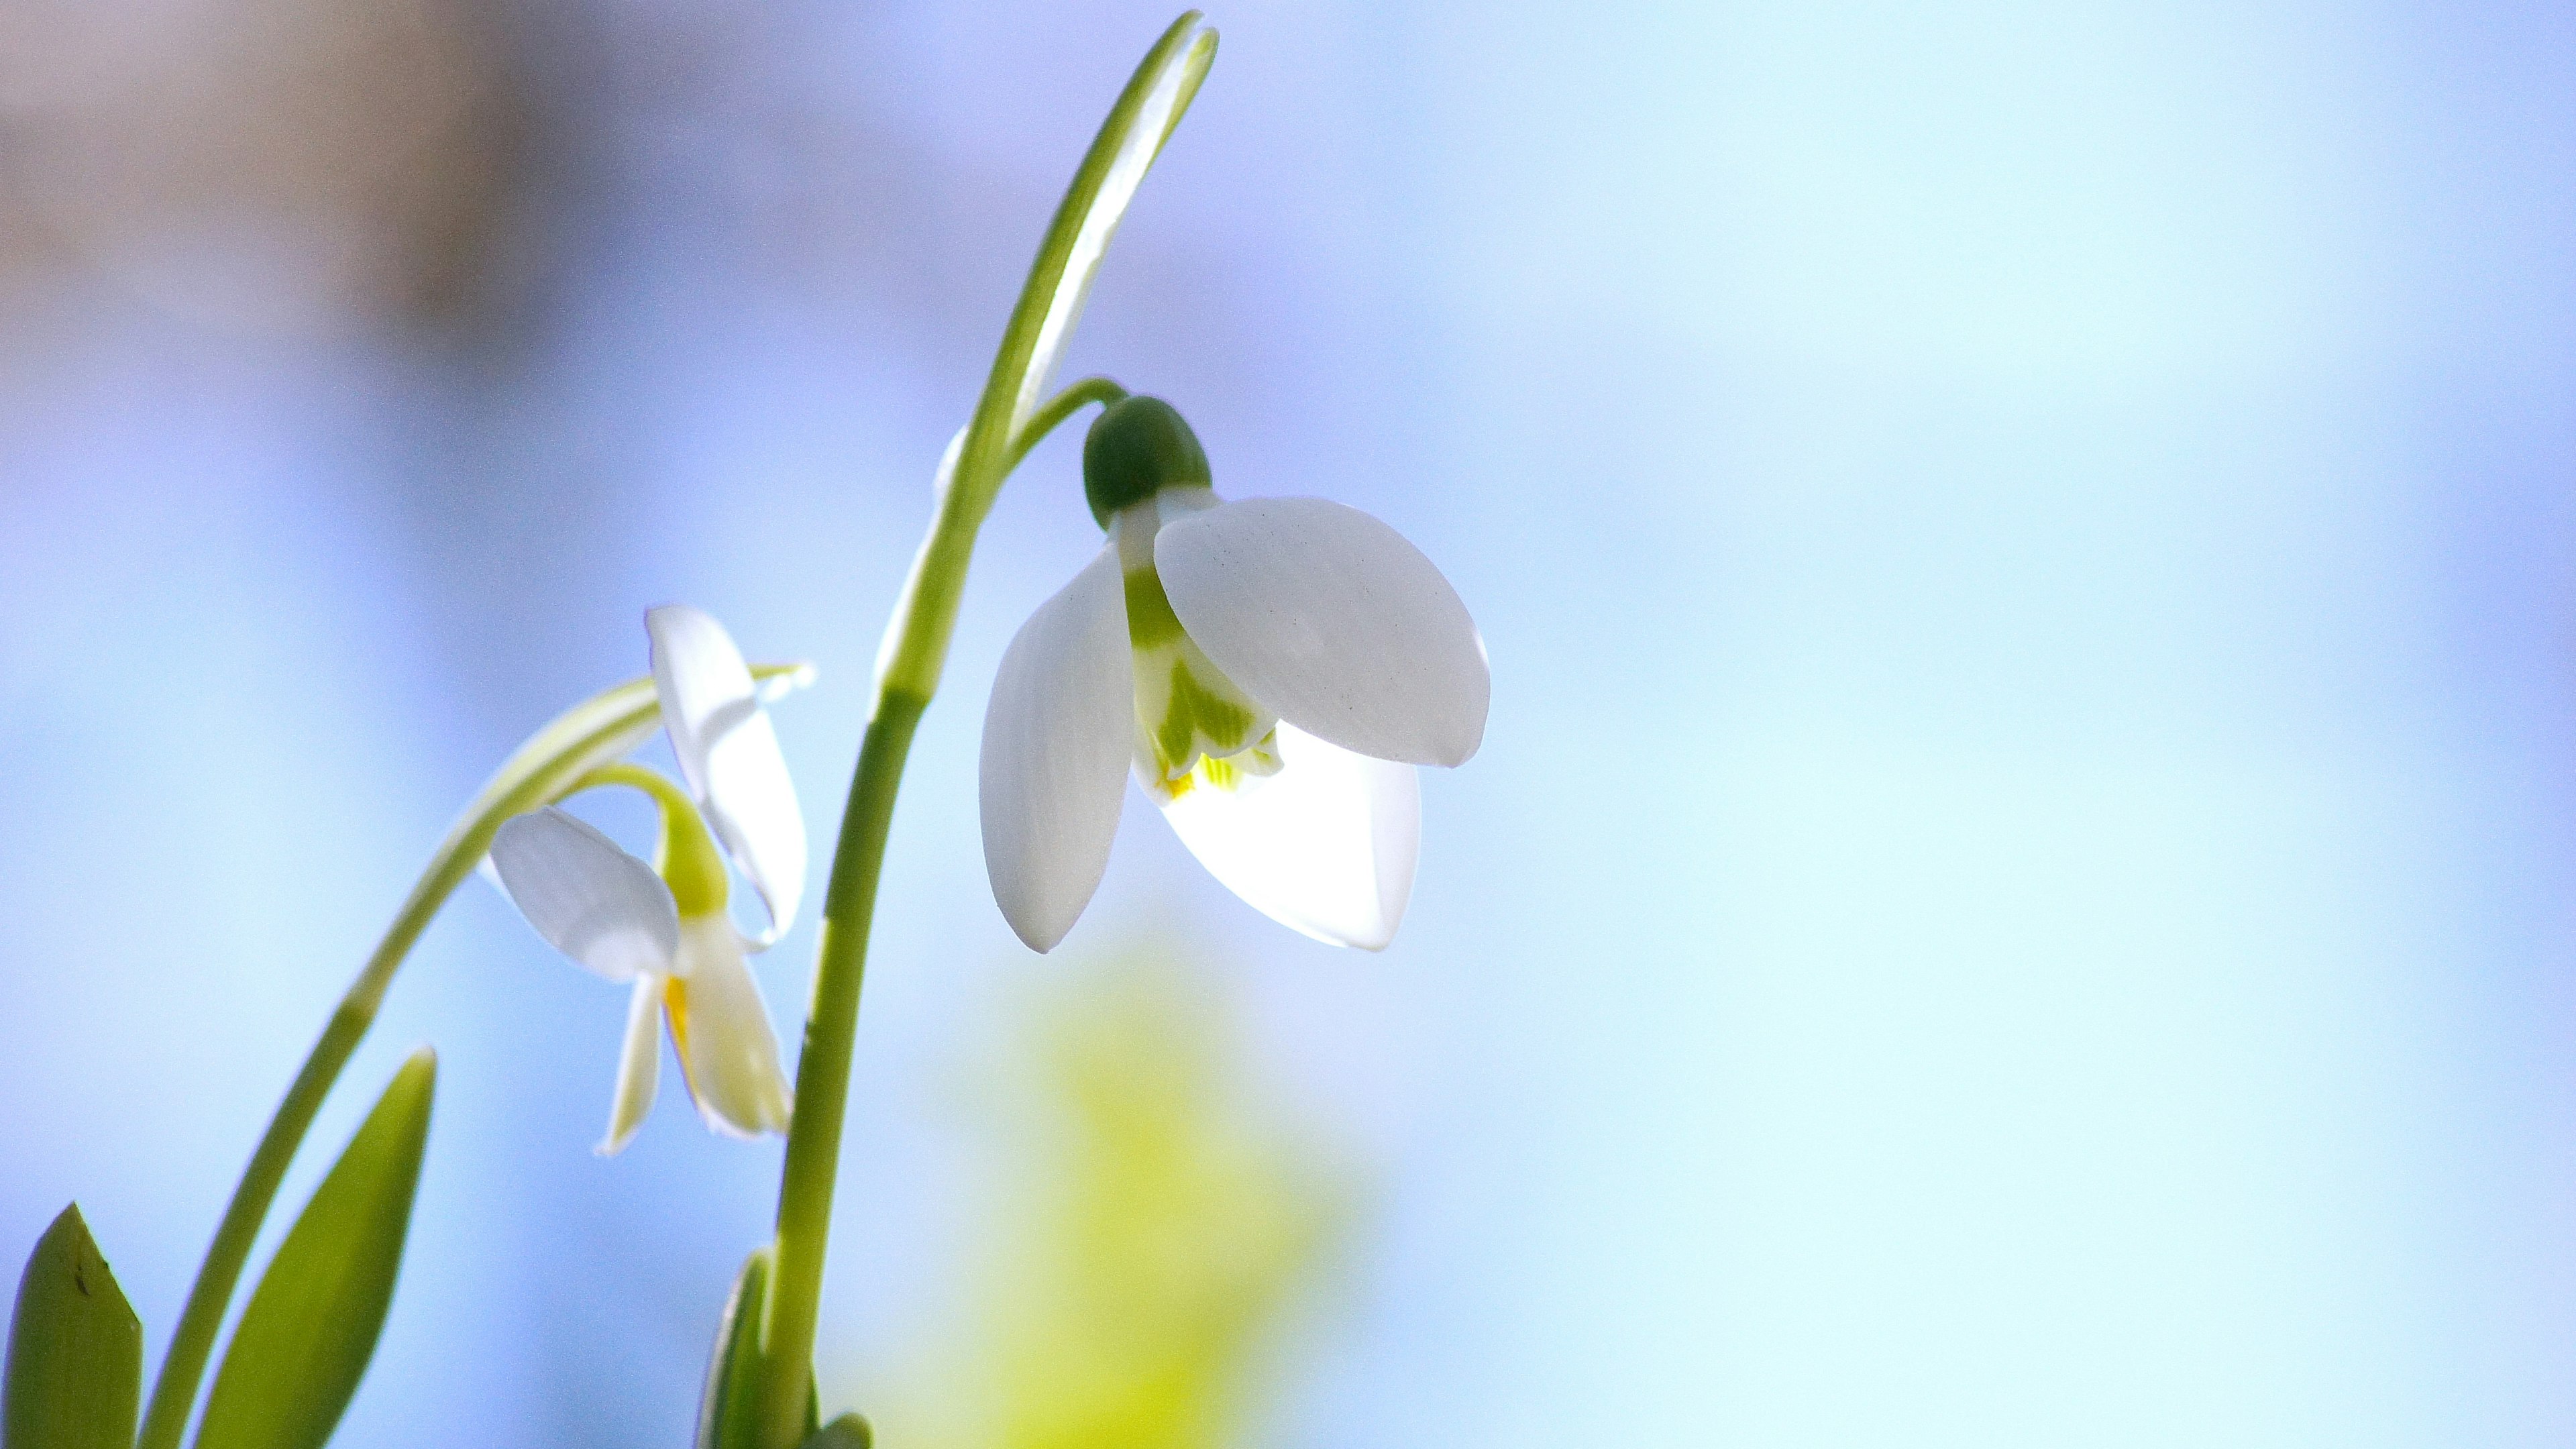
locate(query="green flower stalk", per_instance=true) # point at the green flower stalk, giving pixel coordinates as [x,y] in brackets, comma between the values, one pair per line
[1009,418]
[1272,670]
[558,760]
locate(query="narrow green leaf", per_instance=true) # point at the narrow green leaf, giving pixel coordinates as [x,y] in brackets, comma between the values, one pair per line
[846,1432]
[730,1401]
[75,1372]
[311,1326]
[729,1405]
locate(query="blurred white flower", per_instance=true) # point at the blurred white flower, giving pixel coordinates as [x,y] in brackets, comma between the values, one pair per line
[666,928]
[1271,669]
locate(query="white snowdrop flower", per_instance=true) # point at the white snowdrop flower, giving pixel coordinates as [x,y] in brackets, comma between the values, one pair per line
[666,929]
[1271,670]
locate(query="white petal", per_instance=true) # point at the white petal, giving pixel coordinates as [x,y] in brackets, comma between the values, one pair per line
[727,1047]
[728,752]
[639,1066]
[591,900]
[1109,205]
[1329,618]
[1326,846]
[1057,737]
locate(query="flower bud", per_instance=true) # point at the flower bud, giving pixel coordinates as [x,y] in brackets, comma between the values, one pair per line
[1138,447]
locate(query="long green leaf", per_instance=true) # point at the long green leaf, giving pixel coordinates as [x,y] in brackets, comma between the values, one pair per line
[75,1372]
[311,1326]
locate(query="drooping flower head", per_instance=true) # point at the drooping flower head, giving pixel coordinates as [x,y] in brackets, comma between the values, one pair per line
[667,928]
[1270,670]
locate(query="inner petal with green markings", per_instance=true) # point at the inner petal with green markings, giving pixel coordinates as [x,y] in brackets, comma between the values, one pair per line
[1194,726]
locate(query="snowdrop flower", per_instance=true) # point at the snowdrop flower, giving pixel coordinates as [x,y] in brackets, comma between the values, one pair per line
[667,928]
[1271,670]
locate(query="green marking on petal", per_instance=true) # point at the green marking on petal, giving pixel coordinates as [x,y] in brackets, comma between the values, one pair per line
[1198,713]
[1232,772]
[1189,716]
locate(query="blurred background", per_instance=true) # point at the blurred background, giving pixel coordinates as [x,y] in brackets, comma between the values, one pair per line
[2018,890]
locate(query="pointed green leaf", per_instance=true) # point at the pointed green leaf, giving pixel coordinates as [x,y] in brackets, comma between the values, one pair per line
[729,1405]
[846,1432]
[75,1372]
[312,1324]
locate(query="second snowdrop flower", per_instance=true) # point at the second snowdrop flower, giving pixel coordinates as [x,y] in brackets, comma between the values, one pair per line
[1270,669]
[666,929]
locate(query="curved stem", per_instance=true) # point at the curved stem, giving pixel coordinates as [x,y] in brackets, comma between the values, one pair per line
[807,1179]
[685,857]
[1063,405]
[909,666]
[549,765]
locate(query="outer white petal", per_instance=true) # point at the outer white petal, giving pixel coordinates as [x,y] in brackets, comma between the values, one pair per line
[1091,242]
[1057,738]
[592,901]
[728,752]
[639,1066]
[1331,619]
[1326,846]
[727,1047]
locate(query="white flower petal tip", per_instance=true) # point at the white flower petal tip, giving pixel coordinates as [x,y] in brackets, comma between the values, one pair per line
[728,1050]
[639,1067]
[1333,620]
[591,900]
[728,752]
[1326,846]
[1058,735]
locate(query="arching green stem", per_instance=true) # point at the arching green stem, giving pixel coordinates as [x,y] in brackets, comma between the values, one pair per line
[548,766]
[1002,431]
[685,857]
[1060,407]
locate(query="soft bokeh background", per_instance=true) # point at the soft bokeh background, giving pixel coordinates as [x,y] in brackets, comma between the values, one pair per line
[2017,891]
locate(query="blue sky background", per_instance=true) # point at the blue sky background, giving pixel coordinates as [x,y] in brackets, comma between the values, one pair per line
[2017,891]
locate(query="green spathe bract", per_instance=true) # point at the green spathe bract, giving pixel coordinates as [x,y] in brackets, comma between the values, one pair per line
[312,1323]
[1138,447]
[75,1374]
